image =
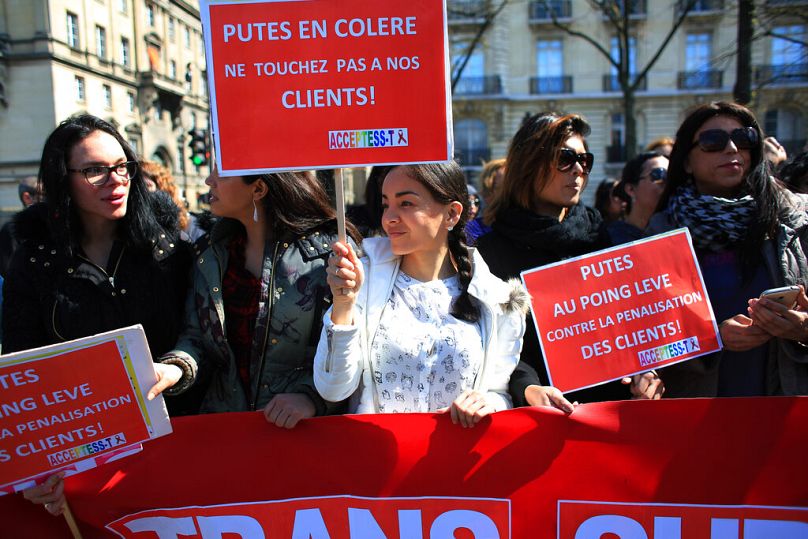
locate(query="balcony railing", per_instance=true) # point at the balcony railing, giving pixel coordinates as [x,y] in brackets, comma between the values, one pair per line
[785,3]
[551,85]
[781,74]
[693,80]
[472,157]
[485,85]
[616,154]
[466,10]
[542,10]
[637,8]
[611,83]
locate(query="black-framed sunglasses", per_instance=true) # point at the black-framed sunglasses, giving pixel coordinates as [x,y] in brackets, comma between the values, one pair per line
[658,175]
[567,159]
[715,140]
[98,175]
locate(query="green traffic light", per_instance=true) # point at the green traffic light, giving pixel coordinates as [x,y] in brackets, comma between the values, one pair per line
[198,160]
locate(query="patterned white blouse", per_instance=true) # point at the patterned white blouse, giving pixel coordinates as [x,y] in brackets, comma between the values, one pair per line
[423,357]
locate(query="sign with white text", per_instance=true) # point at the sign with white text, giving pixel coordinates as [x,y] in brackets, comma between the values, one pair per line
[324,84]
[621,311]
[75,405]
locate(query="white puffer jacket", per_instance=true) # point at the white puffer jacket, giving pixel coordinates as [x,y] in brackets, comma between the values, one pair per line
[342,366]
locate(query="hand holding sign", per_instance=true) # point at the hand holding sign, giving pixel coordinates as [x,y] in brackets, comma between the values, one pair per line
[345,277]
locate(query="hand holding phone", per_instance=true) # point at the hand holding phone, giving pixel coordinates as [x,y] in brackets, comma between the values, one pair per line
[785,295]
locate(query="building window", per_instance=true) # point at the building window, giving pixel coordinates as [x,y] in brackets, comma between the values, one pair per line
[172,29]
[73,30]
[80,94]
[101,42]
[698,52]
[158,110]
[614,81]
[133,143]
[150,16]
[471,142]
[472,78]
[616,152]
[123,6]
[108,96]
[788,127]
[125,57]
[187,37]
[132,102]
[789,49]
[550,68]
[172,70]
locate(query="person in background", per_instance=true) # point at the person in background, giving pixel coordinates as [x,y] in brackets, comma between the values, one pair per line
[537,219]
[367,217]
[662,145]
[490,180]
[420,324]
[258,295]
[794,174]
[29,194]
[749,234]
[610,206]
[640,187]
[94,257]
[159,178]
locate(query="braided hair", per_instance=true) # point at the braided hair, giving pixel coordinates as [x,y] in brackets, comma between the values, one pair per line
[447,183]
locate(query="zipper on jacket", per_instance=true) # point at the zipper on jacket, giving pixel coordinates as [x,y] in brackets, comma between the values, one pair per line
[110,278]
[254,396]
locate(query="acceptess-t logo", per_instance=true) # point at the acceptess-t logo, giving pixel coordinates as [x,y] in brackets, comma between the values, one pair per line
[591,520]
[337,517]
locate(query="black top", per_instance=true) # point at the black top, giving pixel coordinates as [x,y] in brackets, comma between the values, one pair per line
[522,240]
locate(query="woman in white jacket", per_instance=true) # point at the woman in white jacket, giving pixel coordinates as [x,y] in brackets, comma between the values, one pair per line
[420,324]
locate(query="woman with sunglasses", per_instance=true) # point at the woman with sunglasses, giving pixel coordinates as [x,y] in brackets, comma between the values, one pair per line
[420,324]
[537,219]
[99,254]
[749,235]
[640,187]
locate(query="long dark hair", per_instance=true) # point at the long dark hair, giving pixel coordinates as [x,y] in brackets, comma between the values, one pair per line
[295,203]
[531,160]
[137,228]
[447,183]
[757,183]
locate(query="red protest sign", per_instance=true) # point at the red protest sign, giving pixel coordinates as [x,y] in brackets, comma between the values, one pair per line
[621,311]
[66,404]
[325,84]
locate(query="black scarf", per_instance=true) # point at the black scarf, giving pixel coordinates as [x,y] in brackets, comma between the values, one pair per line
[579,233]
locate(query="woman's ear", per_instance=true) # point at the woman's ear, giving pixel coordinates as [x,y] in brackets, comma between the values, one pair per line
[260,189]
[453,213]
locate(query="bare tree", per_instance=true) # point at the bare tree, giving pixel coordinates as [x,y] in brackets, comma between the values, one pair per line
[479,10]
[621,15]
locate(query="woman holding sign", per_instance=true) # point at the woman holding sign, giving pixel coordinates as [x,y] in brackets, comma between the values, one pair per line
[420,324]
[259,291]
[537,219]
[99,254]
[749,234]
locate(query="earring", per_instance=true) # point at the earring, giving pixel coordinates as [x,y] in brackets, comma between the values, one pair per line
[450,228]
[255,212]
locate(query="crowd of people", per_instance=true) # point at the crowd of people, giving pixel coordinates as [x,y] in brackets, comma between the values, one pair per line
[267,310]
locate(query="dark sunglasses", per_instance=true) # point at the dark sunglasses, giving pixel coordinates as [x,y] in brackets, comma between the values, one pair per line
[658,175]
[474,200]
[567,159]
[715,140]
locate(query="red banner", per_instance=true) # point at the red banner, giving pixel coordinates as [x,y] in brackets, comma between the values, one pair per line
[325,84]
[621,311]
[667,469]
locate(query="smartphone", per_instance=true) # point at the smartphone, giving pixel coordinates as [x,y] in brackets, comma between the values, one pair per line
[786,295]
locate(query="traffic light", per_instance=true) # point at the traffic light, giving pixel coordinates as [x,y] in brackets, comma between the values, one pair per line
[199,147]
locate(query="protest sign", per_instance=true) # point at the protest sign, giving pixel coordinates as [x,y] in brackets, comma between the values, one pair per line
[621,311]
[76,404]
[323,84]
[736,463]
